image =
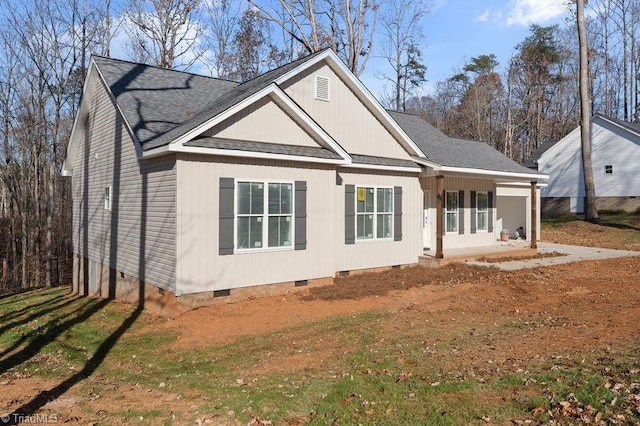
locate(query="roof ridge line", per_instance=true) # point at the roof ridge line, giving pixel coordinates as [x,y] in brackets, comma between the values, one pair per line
[302,59]
[126,61]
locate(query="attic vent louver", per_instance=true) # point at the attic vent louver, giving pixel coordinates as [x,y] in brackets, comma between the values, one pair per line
[322,88]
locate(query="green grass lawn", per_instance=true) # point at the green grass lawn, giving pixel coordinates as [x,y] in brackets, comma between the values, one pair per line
[369,370]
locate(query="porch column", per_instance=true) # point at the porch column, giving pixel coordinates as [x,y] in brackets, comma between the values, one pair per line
[439,215]
[534,215]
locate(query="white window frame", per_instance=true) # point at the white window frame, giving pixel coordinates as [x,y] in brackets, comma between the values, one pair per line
[316,79]
[265,216]
[485,211]
[108,197]
[375,213]
[448,212]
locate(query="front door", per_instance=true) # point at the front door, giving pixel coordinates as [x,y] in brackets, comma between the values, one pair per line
[426,221]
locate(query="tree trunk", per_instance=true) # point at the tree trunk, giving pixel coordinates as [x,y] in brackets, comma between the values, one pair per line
[585,116]
[49,232]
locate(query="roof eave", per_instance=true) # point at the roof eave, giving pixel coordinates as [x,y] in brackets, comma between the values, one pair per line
[279,95]
[243,154]
[495,173]
[383,167]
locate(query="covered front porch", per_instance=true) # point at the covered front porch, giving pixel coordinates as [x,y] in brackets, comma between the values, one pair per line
[469,213]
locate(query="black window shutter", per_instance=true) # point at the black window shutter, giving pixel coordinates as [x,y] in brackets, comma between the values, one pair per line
[349,214]
[490,213]
[473,212]
[397,213]
[301,215]
[460,212]
[225,217]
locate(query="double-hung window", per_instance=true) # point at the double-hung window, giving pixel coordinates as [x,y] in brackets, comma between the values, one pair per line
[482,211]
[374,213]
[264,215]
[451,211]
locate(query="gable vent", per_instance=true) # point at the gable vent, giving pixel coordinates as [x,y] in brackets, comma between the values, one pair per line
[322,88]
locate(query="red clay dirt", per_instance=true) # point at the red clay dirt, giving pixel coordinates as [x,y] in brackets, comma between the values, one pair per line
[566,309]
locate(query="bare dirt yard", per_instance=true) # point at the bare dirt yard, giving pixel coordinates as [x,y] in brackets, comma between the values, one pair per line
[454,345]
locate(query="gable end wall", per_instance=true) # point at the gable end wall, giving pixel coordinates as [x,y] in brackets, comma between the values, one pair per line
[137,236]
[344,116]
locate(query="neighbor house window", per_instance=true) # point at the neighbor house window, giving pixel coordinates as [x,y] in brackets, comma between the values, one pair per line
[259,203]
[451,210]
[608,170]
[107,197]
[374,213]
[482,211]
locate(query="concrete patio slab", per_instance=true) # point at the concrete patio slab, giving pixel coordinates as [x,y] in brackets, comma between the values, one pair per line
[573,254]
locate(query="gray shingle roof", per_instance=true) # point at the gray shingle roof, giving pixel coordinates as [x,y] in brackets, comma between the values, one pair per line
[532,161]
[154,100]
[382,161]
[271,148]
[161,105]
[634,127]
[452,152]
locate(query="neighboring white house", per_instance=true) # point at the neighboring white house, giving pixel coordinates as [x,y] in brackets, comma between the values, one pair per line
[615,156]
[197,187]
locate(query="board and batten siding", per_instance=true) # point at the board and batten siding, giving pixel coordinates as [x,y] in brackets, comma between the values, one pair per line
[372,253]
[263,121]
[451,241]
[343,116]
[137,236]
[201,268]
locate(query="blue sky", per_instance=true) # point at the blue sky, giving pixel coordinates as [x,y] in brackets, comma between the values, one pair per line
[457,30]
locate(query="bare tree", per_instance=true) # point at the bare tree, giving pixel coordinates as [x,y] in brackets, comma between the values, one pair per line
[585,117]
[43,49]
[347,26]
[401,34]
[166,32]
[222,21]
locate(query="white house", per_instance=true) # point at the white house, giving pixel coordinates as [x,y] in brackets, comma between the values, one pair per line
[615,156]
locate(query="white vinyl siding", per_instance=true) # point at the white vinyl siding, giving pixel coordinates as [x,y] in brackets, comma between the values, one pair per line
[265,215]
[482,211]
[374,213]
[451,212]
[610,146]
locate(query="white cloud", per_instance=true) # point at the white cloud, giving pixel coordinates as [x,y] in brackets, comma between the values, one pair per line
[484,17]
[527,12]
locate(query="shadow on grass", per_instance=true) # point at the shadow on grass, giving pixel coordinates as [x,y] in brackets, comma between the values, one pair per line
[611,220]
[619,225]
[22,291]
[44,309]
[92,364]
